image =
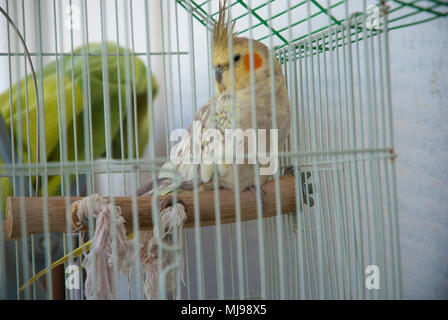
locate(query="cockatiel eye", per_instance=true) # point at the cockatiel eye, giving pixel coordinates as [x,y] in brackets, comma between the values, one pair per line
[237,58]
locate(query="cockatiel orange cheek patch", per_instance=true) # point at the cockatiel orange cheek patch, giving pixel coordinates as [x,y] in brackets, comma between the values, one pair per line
[258,61]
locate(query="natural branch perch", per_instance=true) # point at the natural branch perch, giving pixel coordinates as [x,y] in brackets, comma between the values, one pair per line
[57,210]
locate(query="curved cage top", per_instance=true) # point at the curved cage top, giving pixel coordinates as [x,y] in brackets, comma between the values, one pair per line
[267,21]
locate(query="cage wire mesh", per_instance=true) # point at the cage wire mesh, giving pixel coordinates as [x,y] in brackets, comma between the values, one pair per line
[115,77]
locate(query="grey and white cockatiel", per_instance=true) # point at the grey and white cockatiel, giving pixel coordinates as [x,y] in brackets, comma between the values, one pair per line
[221,119]
[217,114]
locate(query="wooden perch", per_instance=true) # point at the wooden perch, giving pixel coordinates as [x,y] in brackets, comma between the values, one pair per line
[58,212]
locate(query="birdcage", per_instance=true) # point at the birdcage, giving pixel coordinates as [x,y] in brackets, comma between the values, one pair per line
[108,81]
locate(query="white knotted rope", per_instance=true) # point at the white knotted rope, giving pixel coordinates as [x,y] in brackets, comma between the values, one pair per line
[171,218]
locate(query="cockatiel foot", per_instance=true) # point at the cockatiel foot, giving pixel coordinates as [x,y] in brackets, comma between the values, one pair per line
[307,188]
[253,190]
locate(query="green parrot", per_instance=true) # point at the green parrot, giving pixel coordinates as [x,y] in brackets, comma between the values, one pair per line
[71,87]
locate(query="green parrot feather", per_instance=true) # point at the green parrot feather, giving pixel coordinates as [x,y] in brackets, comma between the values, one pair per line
[71,94]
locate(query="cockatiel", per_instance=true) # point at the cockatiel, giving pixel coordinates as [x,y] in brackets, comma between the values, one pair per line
[245,62]
[222,102]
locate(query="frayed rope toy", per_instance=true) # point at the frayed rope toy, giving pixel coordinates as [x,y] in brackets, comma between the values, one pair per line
[99,249]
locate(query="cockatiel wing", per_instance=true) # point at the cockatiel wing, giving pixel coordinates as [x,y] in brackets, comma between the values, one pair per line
[205,135]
